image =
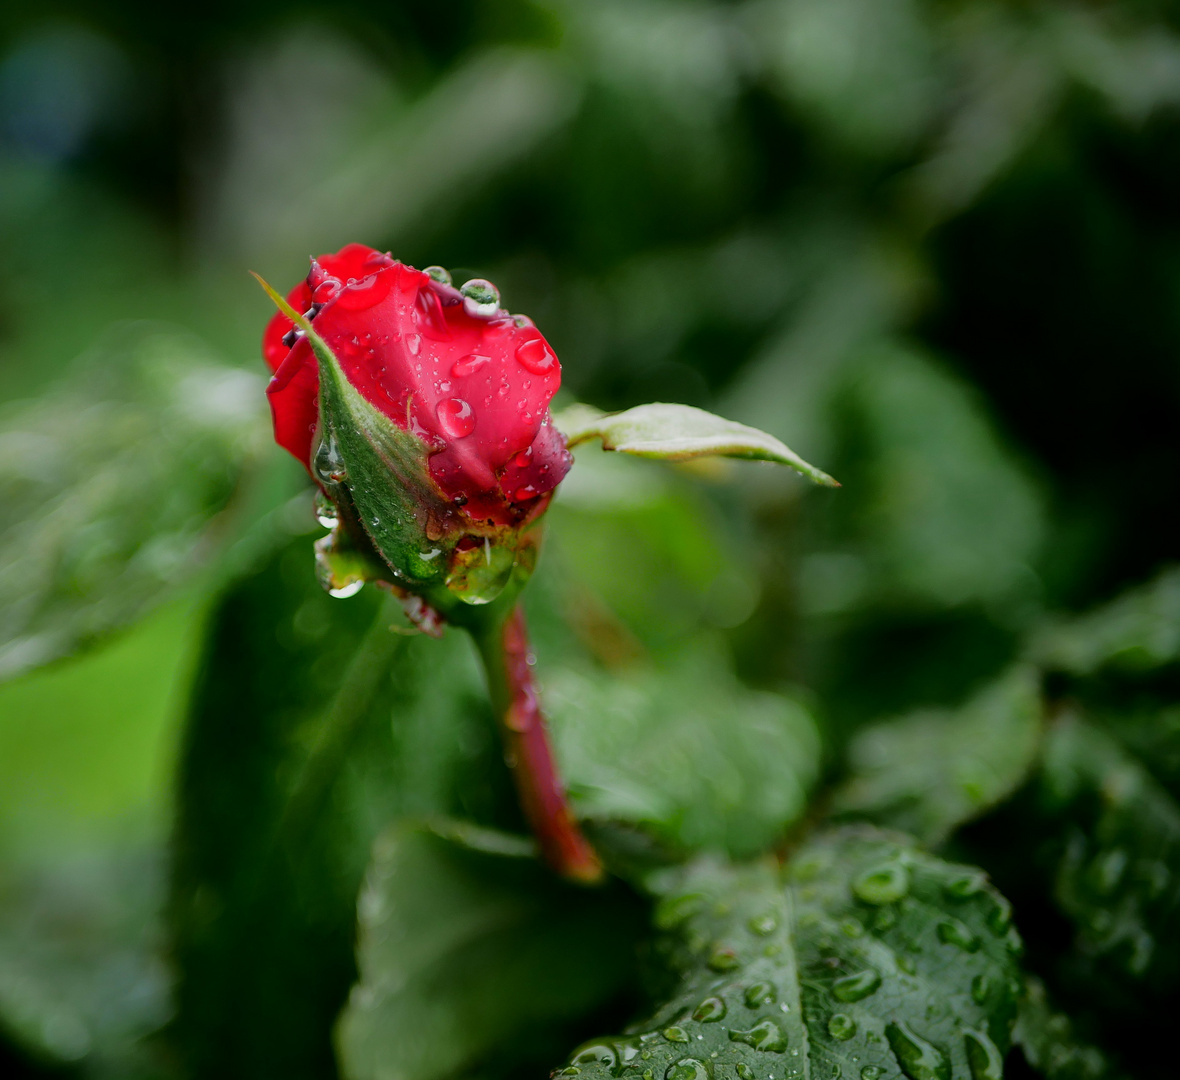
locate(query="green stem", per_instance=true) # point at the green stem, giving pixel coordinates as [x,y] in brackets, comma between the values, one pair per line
[504,648]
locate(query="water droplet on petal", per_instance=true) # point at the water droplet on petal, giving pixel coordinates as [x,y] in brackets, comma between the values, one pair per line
[857,986]
[983,1056]
[469,365]
[439,274]
[456,418]
[710,1010]
[766,1036]
[535,356]
[359,295]
[523,494]
[841,1026]
[919,1059]
[326,290]
[882,884]
[414,343]
[345,591]
[480,298]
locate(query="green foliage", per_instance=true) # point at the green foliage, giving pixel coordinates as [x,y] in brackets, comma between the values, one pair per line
[930,772]
[679,433]
[111,487]
[469,951]
[870,956]
[683,750]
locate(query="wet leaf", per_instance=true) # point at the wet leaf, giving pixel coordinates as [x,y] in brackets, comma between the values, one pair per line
[111,485]
[931,771]
[469,947]
[871,956]
[679,433]
[1138,631]
[684,750]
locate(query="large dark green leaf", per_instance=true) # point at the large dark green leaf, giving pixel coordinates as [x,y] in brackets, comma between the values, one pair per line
[931,771]
[110,486]
[311,727]
[469,949]
[872,957]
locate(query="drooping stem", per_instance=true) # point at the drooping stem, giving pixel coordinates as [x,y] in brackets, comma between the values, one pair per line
[504,647]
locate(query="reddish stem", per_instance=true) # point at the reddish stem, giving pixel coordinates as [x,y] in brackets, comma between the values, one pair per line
[506,655]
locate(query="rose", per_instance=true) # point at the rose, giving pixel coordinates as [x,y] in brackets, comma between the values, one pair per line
[448,369]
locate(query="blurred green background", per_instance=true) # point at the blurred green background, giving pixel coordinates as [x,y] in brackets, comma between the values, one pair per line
[935,247]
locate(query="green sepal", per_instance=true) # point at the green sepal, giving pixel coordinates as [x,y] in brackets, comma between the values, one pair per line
[679,433]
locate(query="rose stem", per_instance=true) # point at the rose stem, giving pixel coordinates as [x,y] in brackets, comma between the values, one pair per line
[504,648]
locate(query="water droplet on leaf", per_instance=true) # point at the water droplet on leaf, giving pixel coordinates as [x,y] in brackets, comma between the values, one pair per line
[763,925]
[919,1059]
[325,511]
[964,886]
[856,987]
[766,1036]
[953,932]
[710,1010]
[345,591]
[983,1056]
[870,1072]
[744,1071]
[761,993]
[689,1069]
[675,1034]
[723,958]
[841,1026]
[882,884]
[327,464]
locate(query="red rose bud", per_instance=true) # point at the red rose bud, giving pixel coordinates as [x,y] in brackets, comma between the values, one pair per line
[422,411]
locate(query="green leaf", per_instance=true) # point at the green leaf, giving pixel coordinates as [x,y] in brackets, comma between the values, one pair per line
[933,770]
[1050,1042]
[1138,631]
[111,485]
[1118,878]
[684,750]
[872,956]
[679,433]
[311,727]
[469,948]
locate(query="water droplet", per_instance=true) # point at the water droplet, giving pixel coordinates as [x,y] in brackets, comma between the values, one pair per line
[763,925]
[760,993]
[325,511]
[885,919]
[480,298]
[744,1071]
[689,1069]
[456,418]
[594,1054]
[674,910]
[918,1059]
[439,274]
[327,464]
[766,1036]
[523,494]
[882,884]
[723,958]
[345,591]
[568,1071]
[710,1010]
[981,986]
[326,290]
[360,295]
[857,986]
[675,1034]
[870,1072]
[953,932]
[469,365]
[999,919]
[841,1026]
[983,1056]
[964,886]
[535,356]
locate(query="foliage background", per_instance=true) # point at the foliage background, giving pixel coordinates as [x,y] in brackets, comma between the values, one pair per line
[933,246]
